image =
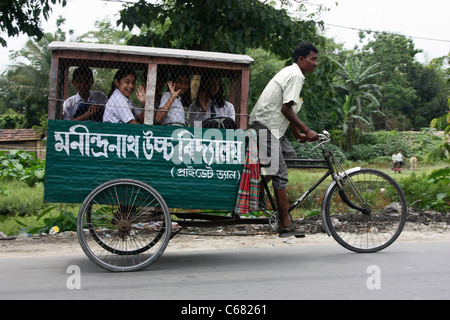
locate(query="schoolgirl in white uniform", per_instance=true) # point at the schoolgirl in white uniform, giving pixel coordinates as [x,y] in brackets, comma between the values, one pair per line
[120,108]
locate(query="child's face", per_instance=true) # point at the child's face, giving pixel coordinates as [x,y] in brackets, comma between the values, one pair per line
[126,85]
[215,87]
[83,85]
[182,84]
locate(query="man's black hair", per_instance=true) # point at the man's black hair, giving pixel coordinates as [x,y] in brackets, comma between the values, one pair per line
[303,49]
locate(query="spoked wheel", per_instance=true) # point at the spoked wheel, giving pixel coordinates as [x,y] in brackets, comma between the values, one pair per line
[274,221]
[124,225]
[369,214]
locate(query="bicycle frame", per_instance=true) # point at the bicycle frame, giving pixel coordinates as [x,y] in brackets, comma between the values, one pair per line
[301,164]
[329,162]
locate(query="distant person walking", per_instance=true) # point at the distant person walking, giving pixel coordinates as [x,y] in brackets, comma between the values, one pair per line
[400,162]
[394,161]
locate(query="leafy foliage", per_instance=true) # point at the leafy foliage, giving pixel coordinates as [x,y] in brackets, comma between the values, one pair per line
[361,96]
[265,68]
[443,123]
[428,192]
[230,26]
[26,82]
[105,33]
[413,93]
[19,199]
[65,221]
[22,166]
[24,16]
[385,143]
[11,121]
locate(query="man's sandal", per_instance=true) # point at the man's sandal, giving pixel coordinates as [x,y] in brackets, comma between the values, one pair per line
[293,230]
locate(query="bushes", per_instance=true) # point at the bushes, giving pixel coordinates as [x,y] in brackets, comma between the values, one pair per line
[18,199]
[23,166]
[65,221]
[428,191]
[365,152]
[22,210]
[382,144]
[21,190]
[61,216]
[378,147]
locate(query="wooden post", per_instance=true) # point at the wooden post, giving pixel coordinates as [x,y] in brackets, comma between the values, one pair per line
[150,93]
[53,88]
[243,108]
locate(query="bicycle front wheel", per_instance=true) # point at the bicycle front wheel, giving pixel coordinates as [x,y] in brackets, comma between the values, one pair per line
[124,225]
[367,212]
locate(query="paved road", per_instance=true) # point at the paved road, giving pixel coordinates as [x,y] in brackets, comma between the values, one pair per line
[403,271]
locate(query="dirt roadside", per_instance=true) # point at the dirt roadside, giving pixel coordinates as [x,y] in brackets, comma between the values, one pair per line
[66,244]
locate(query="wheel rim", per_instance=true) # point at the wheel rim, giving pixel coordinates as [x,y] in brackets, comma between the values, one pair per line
[368,232]
[124,225]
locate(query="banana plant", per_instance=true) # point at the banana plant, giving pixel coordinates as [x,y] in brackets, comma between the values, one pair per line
[361,97]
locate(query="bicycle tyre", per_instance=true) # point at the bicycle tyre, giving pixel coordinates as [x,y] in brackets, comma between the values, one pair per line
[124,225]
[358,230]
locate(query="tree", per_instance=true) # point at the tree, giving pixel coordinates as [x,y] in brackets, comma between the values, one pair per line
[27,79]
[413,92]
[24,16]
[11,121]
[360,95]
[105,33]
[230,26]
[395,54]
[431,94]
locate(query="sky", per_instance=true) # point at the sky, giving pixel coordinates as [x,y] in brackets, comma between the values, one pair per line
[413,18]
[417,19]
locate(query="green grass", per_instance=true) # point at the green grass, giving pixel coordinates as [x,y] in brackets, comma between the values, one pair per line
[424,168]
[300,180]
[20,206]
[17,198]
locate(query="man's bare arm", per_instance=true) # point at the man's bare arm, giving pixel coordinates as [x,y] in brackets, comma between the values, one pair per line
[295,122]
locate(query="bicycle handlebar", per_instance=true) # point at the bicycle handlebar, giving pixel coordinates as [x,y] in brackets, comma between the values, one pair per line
[324,136]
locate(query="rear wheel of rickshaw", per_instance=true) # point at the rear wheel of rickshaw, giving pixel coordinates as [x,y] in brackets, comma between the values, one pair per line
[124,225]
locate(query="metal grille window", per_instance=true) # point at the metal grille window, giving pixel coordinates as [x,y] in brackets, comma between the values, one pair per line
[124,84]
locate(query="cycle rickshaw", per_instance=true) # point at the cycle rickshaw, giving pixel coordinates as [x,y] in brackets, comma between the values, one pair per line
[132,181]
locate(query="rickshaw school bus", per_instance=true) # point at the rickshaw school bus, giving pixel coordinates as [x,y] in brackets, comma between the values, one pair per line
[130,178]
[188,168]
